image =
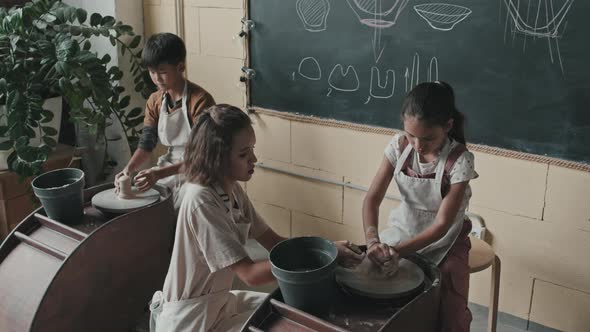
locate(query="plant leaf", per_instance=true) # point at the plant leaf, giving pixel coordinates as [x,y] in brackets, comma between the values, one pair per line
[47,116]
[41,25]
[107,21]
[125,28]
[75,30]
[106,59]
[135,42]
[125,101]
[50,131]
[95,19]
[81,14]
[139,87]
[134,112]
[134,122]
[49,141]
[5,146]
[71,14]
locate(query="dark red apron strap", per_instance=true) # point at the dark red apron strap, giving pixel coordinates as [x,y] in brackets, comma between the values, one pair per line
[402,146]
[453,156]
[451,160]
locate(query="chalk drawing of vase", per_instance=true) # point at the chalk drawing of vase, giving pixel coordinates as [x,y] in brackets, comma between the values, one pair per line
[538,18]
[378,13]
[313,14]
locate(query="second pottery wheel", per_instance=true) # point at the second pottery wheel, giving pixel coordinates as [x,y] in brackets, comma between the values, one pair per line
[359,281]
[108,200]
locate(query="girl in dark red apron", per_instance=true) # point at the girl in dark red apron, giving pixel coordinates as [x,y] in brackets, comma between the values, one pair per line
[432,169]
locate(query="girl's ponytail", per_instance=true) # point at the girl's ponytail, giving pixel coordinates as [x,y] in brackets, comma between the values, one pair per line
[457,132]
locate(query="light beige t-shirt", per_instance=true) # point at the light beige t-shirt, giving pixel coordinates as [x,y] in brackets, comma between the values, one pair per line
[208,241]
[463,170]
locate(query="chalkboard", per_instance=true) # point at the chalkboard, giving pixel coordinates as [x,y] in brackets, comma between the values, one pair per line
[520,68]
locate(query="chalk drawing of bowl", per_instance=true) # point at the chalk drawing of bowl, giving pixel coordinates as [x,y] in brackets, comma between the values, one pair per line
[378,13]
[442,16]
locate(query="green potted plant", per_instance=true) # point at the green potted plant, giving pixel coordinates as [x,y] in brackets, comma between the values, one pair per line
[45,51]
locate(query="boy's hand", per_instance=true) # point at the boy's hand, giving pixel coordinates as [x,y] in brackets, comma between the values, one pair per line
[146,179]
[126,172]
[349,255]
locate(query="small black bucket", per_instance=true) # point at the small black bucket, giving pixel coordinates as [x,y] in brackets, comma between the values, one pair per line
[304,268]
[61,193]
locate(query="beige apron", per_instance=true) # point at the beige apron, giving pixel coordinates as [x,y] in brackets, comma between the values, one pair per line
[221,310]
[173,131]
[421,199]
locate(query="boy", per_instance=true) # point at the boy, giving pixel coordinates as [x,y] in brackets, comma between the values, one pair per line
[169,115]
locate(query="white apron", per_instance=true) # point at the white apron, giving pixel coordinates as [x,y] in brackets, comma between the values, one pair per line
[421,199]
[222,310]
[173,131]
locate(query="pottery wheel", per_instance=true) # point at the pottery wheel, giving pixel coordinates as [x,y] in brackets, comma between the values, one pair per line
[108,200]
[406,280]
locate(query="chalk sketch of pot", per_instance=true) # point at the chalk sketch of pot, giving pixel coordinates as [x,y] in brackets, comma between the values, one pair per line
[442,16]
[309,68]
[377,13]
[313,14]
[346,80]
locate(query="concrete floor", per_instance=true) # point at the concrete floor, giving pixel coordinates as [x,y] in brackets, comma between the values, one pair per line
[506,322]
[480,322]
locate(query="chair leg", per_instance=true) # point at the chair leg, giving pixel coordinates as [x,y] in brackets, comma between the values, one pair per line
[494,294]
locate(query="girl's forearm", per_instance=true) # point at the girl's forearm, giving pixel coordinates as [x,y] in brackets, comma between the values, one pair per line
[430,235]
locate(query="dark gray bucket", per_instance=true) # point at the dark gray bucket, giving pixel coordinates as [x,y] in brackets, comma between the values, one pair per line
[61,193]
[304,268]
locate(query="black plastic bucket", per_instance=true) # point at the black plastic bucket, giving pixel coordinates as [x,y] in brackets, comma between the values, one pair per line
[61,193]
[304,268]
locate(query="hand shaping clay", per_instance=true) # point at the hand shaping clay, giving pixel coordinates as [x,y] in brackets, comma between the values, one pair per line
[123,188]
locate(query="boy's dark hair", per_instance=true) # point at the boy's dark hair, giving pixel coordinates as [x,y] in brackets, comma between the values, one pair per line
[206,156]
[163,48]
[434,103]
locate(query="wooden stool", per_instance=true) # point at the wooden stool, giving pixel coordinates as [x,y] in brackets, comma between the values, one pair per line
[482,256]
